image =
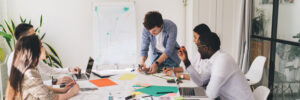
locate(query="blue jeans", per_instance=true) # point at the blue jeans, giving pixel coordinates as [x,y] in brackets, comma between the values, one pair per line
[167,63]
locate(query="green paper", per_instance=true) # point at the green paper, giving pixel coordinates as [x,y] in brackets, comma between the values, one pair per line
[152,90]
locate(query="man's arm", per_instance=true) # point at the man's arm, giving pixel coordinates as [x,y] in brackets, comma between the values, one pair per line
[162,58]
[197,78]
[51,71]
[144,49]
[145,44]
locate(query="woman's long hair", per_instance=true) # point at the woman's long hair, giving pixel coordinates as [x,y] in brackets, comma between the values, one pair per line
[27,54]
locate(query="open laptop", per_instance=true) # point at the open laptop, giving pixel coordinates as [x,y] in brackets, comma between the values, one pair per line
[192,93]
[87,74]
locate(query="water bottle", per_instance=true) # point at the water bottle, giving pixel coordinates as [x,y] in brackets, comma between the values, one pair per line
[110,97]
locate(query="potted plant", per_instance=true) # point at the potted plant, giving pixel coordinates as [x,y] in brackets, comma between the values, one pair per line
[258,22]
[7,32]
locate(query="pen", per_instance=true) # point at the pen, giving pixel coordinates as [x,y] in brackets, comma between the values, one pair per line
[164,92]
[88,89]
[146,96]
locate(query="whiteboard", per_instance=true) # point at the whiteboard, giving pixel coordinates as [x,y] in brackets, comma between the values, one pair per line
[114,33]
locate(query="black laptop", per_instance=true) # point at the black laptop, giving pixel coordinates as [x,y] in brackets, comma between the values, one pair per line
[86,75]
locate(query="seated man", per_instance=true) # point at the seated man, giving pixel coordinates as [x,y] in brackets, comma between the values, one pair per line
[226,79]
[203,70]
[27,29]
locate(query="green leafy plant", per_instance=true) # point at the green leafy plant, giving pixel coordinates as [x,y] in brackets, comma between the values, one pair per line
[7,32]
[258,22]
[294,52]
[1,55]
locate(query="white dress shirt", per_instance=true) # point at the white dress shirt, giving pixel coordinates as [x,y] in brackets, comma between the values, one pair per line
[42,67]
[226,79]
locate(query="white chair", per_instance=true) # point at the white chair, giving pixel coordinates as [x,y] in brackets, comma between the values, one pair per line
[255,72]
[261,93]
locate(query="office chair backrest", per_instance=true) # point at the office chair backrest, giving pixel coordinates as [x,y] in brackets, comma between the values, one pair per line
[261,93]
[255,72]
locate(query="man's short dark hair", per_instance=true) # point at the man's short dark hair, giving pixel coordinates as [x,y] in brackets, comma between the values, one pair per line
[152,19]
[22,29]
[202,29]
[211,40]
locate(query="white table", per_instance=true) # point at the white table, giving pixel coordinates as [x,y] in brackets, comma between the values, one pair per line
[125,87]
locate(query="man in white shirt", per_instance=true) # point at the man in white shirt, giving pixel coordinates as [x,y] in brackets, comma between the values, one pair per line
[199,65]
[27,29]
[226,79]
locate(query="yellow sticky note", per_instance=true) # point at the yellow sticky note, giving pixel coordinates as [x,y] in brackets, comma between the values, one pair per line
[178,98]
[136,93]
[127,76]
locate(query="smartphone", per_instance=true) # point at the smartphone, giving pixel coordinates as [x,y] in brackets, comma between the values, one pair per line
[171,81]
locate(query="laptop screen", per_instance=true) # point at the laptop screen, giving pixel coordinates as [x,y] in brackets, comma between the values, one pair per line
[90,65]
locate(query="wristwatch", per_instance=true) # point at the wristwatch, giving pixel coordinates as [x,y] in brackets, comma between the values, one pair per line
[157,63]
[182,76]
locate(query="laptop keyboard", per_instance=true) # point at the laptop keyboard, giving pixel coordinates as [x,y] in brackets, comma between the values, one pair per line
[80,76]
[187,91]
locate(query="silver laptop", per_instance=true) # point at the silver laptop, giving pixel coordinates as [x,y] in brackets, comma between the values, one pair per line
[192,93]
[86,75]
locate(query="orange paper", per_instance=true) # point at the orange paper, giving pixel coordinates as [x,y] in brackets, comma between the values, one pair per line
[103,82]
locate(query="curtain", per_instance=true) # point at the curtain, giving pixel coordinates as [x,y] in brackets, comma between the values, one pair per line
[244,31]
[3,66]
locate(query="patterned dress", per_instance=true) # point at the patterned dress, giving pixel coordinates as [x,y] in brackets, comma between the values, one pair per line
[33,87]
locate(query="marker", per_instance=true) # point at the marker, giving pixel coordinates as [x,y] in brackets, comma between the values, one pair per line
[140,66]
[179,48]
[129,97]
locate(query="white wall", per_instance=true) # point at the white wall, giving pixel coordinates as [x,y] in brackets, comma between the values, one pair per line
[68,23]
[227,23]
[221,17]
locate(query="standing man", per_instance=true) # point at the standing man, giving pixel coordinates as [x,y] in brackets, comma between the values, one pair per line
[161,34]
